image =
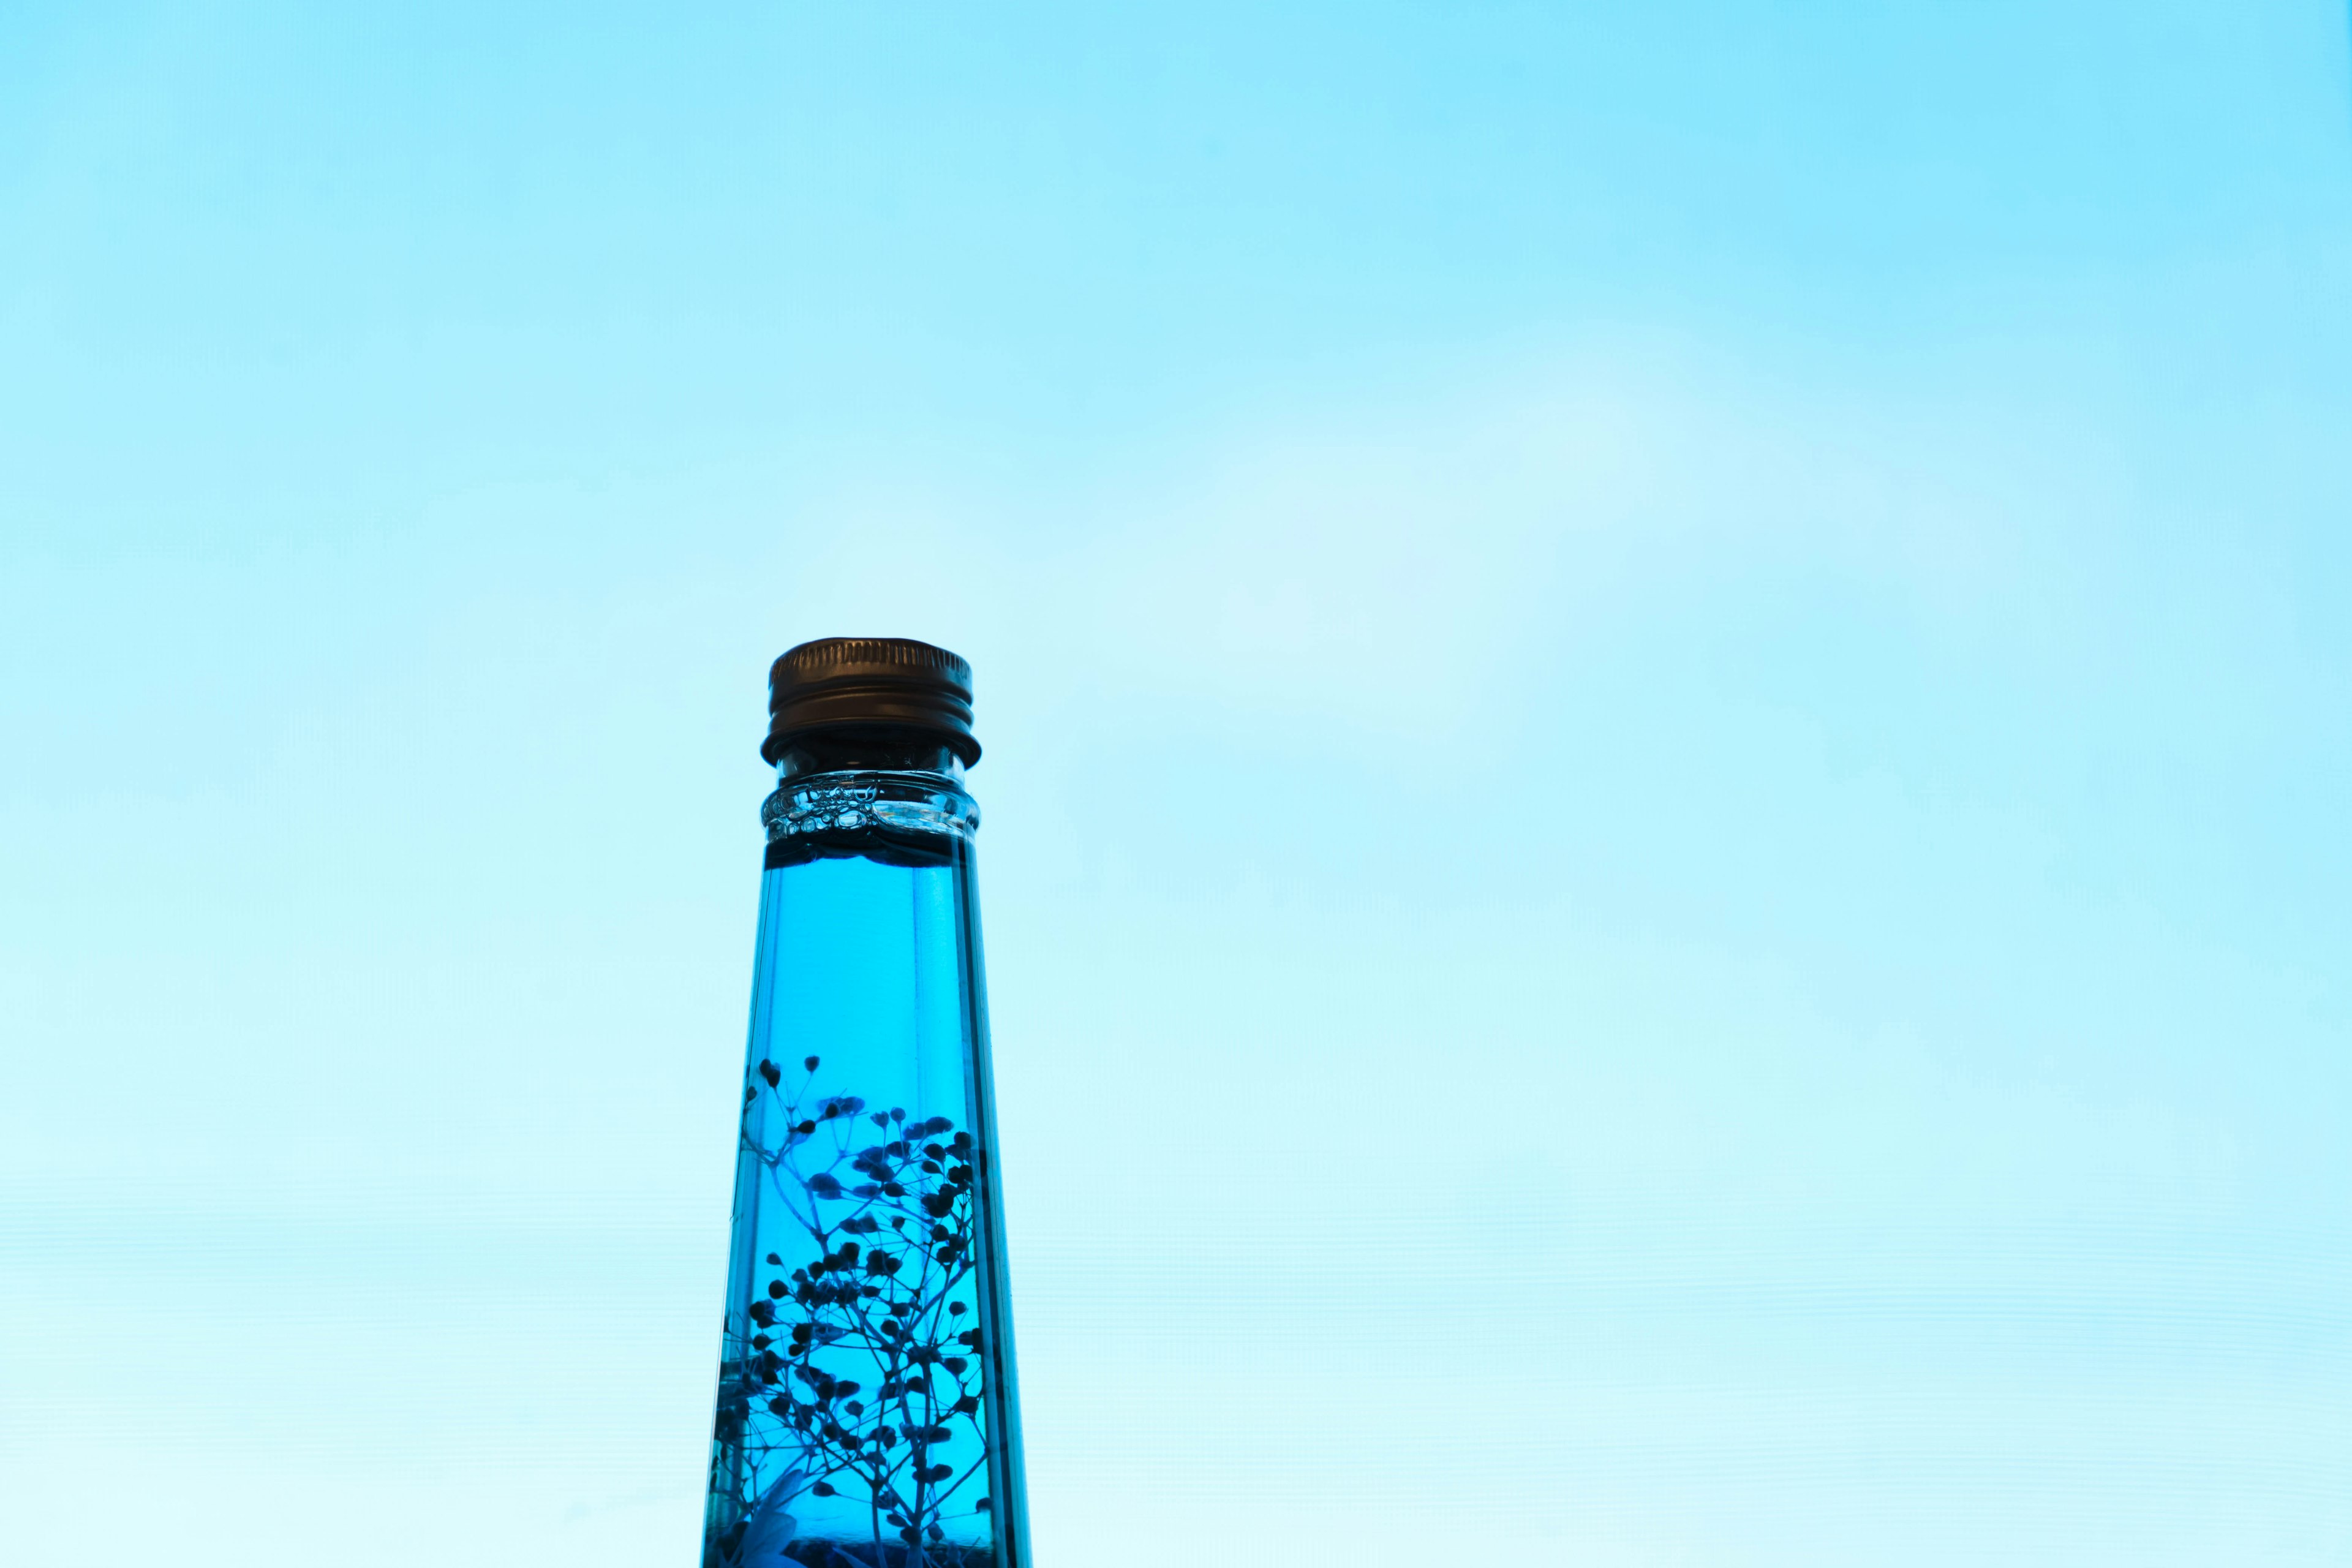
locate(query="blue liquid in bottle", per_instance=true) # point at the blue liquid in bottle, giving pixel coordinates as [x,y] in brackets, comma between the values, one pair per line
[867,1415]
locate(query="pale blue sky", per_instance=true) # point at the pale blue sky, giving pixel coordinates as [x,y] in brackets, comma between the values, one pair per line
[1749,597]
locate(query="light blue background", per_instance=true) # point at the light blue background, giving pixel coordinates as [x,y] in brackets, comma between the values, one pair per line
[1667,688]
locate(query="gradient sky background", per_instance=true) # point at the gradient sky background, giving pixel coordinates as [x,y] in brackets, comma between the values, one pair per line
[1669,712]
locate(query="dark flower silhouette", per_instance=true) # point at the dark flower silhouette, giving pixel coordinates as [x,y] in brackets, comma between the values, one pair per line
[795,1415]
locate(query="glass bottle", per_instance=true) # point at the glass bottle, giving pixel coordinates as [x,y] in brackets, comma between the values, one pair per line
[868,1415]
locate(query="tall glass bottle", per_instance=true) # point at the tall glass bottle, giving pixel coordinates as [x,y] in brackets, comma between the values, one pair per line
[868,1415]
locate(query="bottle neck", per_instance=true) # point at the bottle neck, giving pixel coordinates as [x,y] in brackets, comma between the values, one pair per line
[896,796]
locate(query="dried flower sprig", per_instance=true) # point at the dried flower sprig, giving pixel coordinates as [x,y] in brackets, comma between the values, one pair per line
[889,1294]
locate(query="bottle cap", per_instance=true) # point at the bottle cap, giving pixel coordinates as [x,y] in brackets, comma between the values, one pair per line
[870,683]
